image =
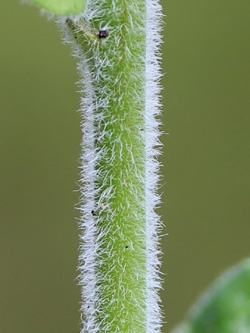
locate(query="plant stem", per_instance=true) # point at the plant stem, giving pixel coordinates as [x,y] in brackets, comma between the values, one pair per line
[119,246]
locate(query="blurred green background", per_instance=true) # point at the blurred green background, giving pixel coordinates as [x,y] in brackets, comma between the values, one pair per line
[206,183]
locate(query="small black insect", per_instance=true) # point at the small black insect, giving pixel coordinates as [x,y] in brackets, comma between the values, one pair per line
[103,34]
[93,213]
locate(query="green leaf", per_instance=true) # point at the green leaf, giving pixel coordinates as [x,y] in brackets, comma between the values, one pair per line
[225,308]
[61,7]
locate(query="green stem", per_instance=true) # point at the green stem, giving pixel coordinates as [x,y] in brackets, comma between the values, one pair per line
[117,44]
[117,69]
[119,64]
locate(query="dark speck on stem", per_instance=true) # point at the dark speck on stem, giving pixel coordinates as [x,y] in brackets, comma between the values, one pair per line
[103,34]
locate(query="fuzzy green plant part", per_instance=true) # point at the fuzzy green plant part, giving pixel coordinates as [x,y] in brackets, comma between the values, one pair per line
[225,307]
[117,47]
[61,7]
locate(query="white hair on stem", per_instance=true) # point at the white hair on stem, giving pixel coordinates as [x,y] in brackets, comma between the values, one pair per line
[91,242]
[153,109]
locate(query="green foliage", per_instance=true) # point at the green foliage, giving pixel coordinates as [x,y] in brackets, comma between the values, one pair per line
[225,308]
[61,7]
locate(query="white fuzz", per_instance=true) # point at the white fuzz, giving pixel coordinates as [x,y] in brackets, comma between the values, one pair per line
[90,243]
[153,109]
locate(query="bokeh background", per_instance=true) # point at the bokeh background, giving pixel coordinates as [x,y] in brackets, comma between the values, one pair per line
[206,183]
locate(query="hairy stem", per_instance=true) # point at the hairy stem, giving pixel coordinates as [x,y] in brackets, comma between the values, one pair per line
[118,259]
